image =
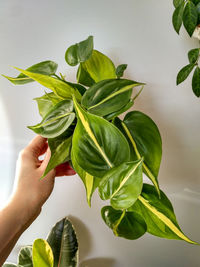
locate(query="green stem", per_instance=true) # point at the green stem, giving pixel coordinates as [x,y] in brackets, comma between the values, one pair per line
[138,93]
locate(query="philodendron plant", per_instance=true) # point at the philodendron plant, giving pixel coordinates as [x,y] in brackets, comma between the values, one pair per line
[59,250]
[82,125]
[187,12]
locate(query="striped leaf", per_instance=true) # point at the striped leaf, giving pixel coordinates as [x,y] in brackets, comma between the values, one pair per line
[59,87]
[45,67]
[97,145]
[90,182]
[129,225]
[108,96]
[122,184]
[25,257]
[56,121]
[145,141]
[158,214]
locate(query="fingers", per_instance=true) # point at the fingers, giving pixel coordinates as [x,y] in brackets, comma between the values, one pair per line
[37,146]
[46,159]
[64,169]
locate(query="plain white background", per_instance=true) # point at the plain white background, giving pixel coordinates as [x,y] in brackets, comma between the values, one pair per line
[140,34]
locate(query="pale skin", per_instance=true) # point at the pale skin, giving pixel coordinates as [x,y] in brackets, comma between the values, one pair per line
[29,194]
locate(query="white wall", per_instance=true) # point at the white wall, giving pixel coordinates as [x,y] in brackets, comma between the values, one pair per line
[140,34]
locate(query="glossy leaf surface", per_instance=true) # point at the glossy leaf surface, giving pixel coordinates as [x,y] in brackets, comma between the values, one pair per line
[120,70]
[56,121]
[42,254]
[158,214]
[120,111]
[97,145]
[97,68]
[145,141]
[45,67]
[25,257]
[83,76]
[46,102]
[184,73]
[193,55]
[122,184]
[79,52]
[196,82]
[60,152]
[129,225]
[108,96]
[59,87]
[190,17]
[64,244]
[177,17]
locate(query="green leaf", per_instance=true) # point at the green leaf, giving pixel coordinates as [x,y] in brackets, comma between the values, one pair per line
[184,73]
[59,87]
[42,254]
[97,68]
[25,257]
[56,121]
[83,76]
[118,112]
[196,82]
[7,264]
[198,11]
[177,3]
[45,67]
[120,70]
[158,214]
[79,52]
[108,96]
[97,145]
[46,102]
[145,141]
[64,244]
[193,55]
[122,184]
[60,152]
[177,17]
[90,182]
[129,225]
[190,17]
[79,87]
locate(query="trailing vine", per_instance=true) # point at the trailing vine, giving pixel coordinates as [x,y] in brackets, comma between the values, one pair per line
[187,13]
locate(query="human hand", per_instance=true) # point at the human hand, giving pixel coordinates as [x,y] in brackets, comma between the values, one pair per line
[29,190]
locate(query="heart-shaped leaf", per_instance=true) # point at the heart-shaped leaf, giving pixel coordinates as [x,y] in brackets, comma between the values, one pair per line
[64,244]
[158,214]
[56,121]
[97,68]
[108,96]
[79,52]
[90,182]
[145,141]
[59,87]
[97,145]
[42,254]
[46,102]
[122,184]
[129,225]
[25,257]
[45,67]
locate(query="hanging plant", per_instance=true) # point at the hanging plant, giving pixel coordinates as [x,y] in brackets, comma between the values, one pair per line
[187,12]
[82,125]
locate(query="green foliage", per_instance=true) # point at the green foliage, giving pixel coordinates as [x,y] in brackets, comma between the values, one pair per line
[45,67]
[188,13]
[59,250]
[108,153]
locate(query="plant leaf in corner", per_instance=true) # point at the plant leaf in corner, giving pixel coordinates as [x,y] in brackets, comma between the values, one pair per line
[177,17]
[190,17]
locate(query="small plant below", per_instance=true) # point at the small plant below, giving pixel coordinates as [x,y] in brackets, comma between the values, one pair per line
[82,125]
[60,249]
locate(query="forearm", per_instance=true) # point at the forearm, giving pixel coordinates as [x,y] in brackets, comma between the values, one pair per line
[14,219]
